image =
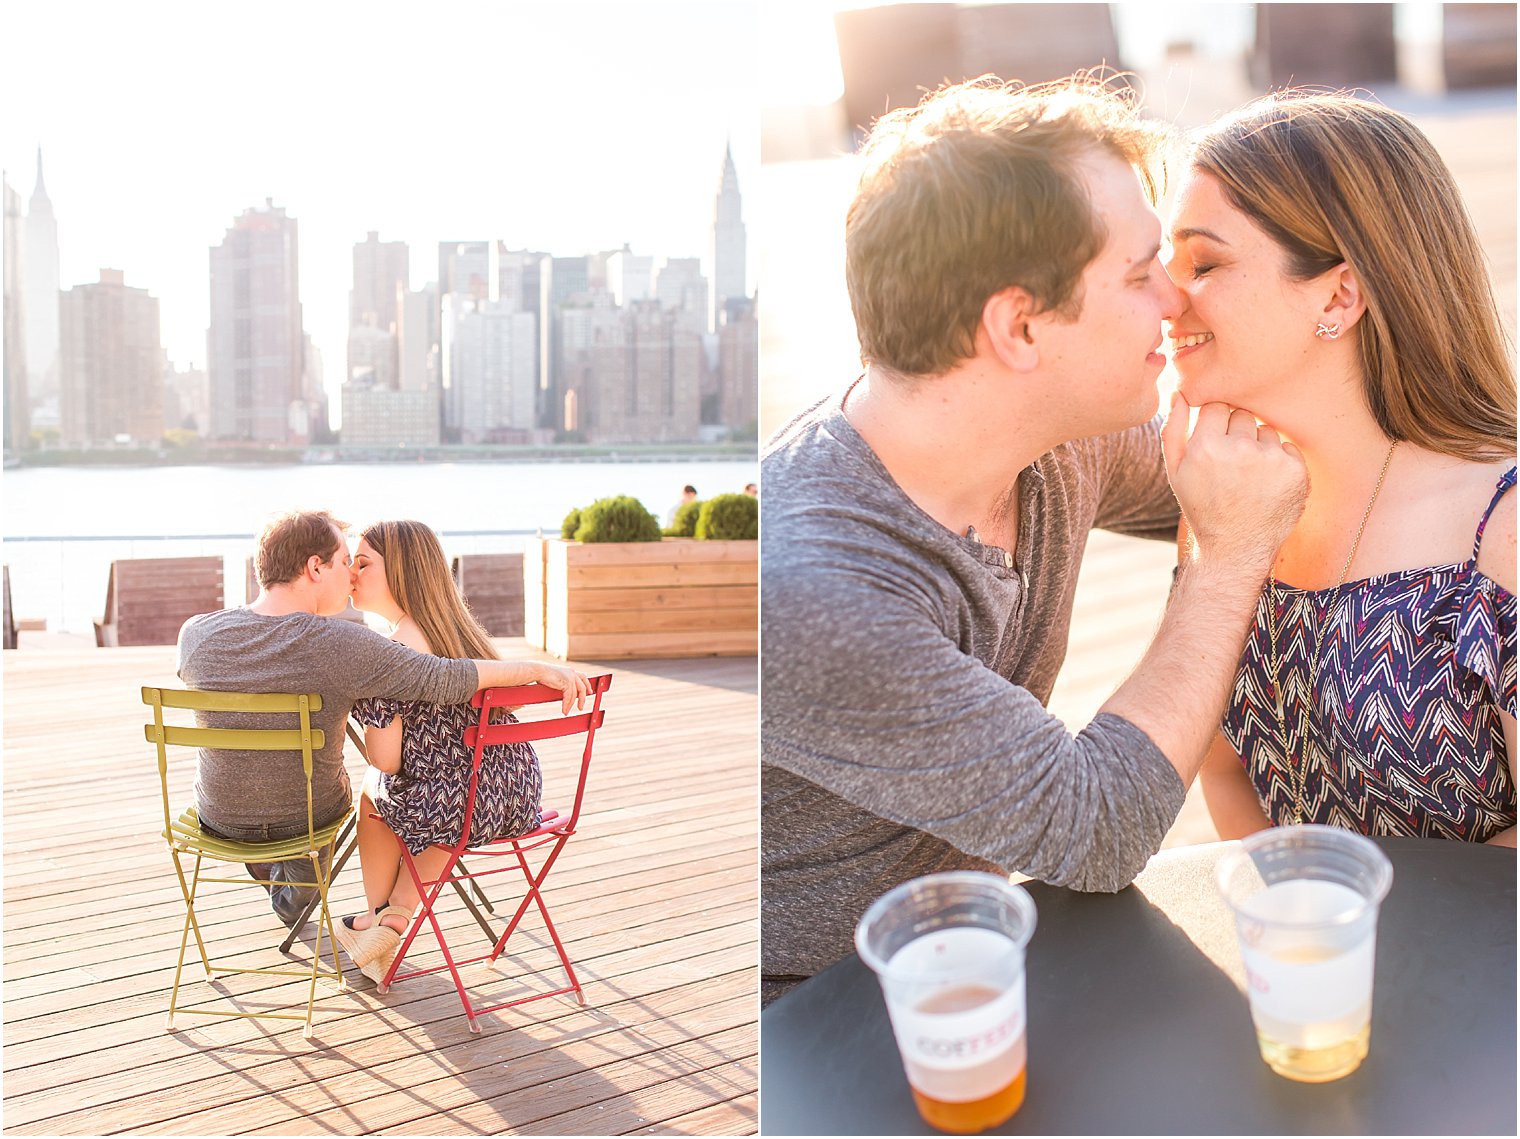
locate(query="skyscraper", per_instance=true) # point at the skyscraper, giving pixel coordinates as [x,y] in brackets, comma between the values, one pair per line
[630,276]
[18,423]
[465,268]
[111,376]
[727,242]
[492,350]
[255,346]
[562,280]
[679,284]
[518,276]
[739,368]
[643,379]
[380,268]
[417,340]
[594,363]
[41,260]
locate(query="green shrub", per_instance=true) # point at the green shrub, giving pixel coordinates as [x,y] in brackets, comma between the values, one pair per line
[729,517]
[685,523]
[620,519]
[571,524]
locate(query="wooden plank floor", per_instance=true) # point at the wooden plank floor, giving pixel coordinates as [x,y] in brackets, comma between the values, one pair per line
[655,898]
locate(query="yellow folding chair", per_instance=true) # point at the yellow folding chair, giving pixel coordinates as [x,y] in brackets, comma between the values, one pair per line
[185,837]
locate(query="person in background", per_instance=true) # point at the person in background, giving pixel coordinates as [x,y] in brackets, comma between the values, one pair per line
[688,494]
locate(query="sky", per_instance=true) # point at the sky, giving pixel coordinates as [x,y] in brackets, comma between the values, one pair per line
[567,126]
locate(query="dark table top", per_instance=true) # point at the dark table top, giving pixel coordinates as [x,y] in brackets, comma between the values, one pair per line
[1138,1023]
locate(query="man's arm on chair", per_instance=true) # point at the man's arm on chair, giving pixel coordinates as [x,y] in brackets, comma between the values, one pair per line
[511,673]
[364,663]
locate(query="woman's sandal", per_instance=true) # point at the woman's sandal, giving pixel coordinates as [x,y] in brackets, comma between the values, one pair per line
[380,965]
[348,922]
[375,947]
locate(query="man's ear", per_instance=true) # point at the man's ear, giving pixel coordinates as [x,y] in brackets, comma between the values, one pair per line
[1346,304]
[1006,323]
[313,565]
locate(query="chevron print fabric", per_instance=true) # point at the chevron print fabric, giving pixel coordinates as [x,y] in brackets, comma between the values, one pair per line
[1404,730]
[425,803]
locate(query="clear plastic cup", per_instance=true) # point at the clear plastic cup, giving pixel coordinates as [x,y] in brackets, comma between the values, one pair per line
[1305,900]
[949,952]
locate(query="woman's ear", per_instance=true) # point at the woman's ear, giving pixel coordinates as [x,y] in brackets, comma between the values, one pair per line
[1346,304]
[1006,322]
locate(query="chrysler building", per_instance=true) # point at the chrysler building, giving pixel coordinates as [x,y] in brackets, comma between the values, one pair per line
[727,243]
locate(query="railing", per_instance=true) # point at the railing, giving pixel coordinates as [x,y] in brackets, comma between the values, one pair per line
[62,578]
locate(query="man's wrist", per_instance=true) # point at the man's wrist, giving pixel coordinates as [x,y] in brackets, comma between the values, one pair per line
[1244,573]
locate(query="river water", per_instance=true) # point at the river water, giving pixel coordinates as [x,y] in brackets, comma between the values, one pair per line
[63,526]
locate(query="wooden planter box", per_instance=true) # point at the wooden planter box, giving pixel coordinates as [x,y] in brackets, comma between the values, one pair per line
[674,598]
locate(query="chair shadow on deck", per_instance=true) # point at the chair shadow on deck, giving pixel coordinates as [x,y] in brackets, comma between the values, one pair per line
[408,1055]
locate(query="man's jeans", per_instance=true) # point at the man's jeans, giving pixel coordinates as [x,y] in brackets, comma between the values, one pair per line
[287,901]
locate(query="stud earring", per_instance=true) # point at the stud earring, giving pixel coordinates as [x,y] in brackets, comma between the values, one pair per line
[1328,331]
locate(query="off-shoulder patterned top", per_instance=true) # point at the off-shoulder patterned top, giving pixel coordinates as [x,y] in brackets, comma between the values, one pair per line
[1403,728]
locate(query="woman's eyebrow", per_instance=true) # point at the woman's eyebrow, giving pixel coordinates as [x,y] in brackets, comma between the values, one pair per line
[1197,231]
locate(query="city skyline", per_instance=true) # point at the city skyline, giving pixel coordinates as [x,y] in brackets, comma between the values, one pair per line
[541,153]
[513,347]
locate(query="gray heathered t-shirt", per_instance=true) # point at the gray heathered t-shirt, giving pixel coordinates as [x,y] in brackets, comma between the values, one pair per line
[238,650]
[904,674]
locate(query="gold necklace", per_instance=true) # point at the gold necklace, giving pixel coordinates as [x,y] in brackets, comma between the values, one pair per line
[1298,768]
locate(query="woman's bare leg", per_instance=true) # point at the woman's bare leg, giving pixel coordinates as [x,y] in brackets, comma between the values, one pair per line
[379,861]
[430,864]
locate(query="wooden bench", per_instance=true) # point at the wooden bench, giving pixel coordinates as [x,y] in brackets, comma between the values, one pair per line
[492,586]
[1334,45]
[10,621]
[1478,45]
[891,54]
[148,599]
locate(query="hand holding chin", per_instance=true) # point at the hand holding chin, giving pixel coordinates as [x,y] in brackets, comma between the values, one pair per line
[1241,486]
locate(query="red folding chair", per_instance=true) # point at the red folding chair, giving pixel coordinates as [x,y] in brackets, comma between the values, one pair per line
[548,838]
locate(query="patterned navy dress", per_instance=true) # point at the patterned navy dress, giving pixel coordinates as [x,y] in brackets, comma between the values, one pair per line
[1404,730]
[425,803]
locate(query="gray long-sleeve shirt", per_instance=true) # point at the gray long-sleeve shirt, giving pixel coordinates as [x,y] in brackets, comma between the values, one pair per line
[904,674]
[238,650]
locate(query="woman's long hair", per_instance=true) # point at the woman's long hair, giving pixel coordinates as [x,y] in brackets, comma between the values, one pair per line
[1333,178]
[418,577]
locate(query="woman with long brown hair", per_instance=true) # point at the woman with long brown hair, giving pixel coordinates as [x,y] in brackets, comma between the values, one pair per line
[1337,290]
[421,767]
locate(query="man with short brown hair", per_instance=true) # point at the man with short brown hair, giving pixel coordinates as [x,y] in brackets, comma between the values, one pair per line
[924,526]
[289,539]
[285,641]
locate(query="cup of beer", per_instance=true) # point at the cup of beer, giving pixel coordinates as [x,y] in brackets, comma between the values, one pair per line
[949,952]
[1305,900]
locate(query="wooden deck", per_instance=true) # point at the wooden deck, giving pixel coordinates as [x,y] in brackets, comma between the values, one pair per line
[656,899]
